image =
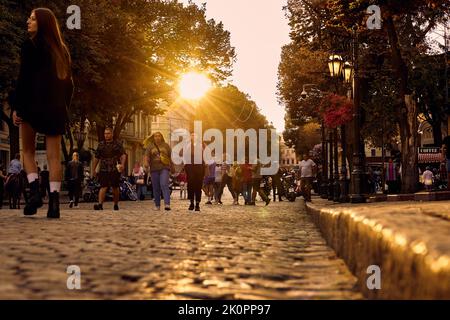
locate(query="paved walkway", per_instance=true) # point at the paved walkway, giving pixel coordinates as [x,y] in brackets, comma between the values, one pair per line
[226,252]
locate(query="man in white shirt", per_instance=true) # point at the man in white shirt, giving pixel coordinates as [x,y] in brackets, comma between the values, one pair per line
[307,172]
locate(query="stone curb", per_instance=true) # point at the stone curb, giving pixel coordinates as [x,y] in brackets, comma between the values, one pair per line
[409,269]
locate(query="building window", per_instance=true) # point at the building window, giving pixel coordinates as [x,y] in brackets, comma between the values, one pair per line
[373,152]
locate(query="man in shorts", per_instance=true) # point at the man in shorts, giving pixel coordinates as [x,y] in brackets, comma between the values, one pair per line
[307,172]
[109,153]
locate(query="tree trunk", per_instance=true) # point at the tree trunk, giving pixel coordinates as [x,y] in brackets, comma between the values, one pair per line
[409,146]
[64,150]
[407,111]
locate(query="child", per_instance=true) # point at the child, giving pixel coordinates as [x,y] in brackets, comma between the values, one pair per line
[428,179]
[182,179]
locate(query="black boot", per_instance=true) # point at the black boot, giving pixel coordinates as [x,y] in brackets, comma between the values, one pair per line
[53,205]
[35,200]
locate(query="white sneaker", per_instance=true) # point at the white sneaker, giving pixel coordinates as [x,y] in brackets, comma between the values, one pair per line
[157,209]
[76,207]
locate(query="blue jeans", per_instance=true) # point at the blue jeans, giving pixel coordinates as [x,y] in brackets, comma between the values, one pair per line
[247,191]
[160,183]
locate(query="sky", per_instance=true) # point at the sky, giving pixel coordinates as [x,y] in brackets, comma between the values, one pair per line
[258,31]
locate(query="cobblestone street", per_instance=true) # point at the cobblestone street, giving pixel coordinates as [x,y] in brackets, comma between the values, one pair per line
[224,252]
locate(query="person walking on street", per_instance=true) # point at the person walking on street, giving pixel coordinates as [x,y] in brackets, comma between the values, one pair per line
[391,176]
[256,184]
[159,164]
[182,180]
[307,172]
[246,169]
[74,177]
[446,153]
[227,180]
[40,102]
[276,185]
[428,179]
[217,183]
[138,179]
[109,152]
[195,171]
[209,180]
[15,166]
[236,180]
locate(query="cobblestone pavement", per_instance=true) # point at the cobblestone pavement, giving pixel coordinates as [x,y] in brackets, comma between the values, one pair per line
[223,252]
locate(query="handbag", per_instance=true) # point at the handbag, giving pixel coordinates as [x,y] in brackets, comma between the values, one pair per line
[165,160]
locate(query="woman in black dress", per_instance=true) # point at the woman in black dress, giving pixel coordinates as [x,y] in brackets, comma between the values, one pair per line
[43,94]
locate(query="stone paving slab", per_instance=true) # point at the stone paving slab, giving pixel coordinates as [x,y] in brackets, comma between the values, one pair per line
[409,241]
[223,252]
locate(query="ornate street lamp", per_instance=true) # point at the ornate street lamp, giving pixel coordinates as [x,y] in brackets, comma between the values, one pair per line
[335,65]
[347,72]
[358,174]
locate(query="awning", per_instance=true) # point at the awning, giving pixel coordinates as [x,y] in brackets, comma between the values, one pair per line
[430,158]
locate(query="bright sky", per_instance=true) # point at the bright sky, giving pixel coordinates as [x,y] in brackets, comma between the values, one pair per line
[258,31]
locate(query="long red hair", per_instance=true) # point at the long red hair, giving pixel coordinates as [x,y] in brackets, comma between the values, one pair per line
[50,33]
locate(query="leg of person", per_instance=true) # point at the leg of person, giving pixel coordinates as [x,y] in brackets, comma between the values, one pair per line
[77,192]
[101,198]
[28,144]
[71,187]
[156,183]
[190,186]
[198,182]
[116,197]
[164,183]
[53,144]
[255,185]
[216,188]
[264,196]
[229,183]
[279,191]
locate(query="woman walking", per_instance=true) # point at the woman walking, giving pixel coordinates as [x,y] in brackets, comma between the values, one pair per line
[195,173]
[139,179]
[159,161]
[43,94]
[74,177]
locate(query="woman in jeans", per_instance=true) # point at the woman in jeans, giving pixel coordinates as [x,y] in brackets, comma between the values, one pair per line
[159,162]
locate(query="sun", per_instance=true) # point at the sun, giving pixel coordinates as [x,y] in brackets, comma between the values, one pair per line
[194,85]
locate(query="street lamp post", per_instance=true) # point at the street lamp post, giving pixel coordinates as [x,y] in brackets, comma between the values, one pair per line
[358,158]
[347,71]
[335,65]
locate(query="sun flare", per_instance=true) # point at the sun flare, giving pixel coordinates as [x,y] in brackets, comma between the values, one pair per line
[194,85]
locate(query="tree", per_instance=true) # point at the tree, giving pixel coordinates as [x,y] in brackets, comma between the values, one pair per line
[390,53]
[405,27]
[229,108]
[128,55]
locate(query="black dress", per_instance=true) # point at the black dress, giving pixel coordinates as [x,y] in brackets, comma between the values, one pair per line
[41,98]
